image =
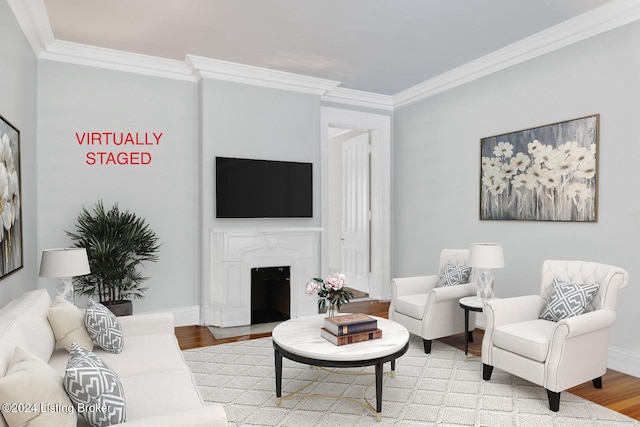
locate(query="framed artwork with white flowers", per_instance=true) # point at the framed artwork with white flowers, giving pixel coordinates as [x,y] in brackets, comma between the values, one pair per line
[547,173]
[10,200]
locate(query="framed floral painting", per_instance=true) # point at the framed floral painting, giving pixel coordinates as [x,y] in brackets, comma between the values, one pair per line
[10,206]
[547,173]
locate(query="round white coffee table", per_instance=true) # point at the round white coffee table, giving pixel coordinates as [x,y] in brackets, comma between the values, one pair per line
[299,340]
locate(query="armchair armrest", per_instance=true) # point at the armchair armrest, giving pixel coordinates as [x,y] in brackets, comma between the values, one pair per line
[209,415]
[586,323]
[579,349]
[147,324]
[454,292]
[512,310]
[413,285]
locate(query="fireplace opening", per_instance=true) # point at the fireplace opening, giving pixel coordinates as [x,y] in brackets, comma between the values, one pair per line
[270,294]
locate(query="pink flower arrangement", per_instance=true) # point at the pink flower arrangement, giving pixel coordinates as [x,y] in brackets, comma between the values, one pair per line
[331,290]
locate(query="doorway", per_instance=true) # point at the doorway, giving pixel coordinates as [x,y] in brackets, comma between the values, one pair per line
[355,208]
[349,206]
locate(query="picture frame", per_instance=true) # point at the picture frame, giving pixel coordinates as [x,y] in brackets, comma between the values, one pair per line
[545,173]
[11,253]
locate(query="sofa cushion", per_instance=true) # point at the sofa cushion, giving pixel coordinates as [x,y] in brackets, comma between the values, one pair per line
[94,388]
[23,323]
[34,393]
[161,392]
[142,354]
[453,274]
[103,327]
[530,339]
[411,305]
[67,322]
[568,300]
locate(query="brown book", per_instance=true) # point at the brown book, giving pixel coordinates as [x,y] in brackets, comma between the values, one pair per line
[350,324]
[351,338]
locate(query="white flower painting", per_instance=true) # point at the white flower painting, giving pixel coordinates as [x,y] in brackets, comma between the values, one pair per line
[541,174]
[10,206]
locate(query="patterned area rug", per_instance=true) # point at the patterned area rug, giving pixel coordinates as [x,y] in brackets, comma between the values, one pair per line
[437,389]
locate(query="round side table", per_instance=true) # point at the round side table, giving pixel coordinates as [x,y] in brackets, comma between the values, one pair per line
[469,304]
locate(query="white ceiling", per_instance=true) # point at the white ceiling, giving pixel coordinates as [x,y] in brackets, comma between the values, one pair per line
[379,46]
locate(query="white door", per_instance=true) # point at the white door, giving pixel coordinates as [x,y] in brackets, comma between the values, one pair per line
[356,211]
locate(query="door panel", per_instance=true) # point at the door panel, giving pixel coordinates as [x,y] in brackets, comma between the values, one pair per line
[356,211]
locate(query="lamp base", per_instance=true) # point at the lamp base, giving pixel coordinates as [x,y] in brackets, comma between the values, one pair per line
[485,286]
[65,290]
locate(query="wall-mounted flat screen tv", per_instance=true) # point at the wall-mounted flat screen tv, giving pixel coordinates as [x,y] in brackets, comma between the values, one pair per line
[251,188]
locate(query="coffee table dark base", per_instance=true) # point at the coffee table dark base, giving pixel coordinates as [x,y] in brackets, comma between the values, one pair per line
[279,353]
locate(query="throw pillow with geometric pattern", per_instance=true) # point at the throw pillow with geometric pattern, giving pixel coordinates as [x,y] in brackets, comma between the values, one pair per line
[103,327]
[568,300]
[94,389]
[454,275]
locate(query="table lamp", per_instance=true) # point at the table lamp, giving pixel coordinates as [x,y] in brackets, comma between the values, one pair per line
[486,256]
[64,263]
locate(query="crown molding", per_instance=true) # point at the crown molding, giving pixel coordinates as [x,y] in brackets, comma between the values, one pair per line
[111,59]
[582,27]
[359,98]
[34,21]
[257,76]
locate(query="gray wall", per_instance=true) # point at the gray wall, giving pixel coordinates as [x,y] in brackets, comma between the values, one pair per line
[175,193]
[75,98]
[18,106]
[245,121]
[238,120]
[437,168]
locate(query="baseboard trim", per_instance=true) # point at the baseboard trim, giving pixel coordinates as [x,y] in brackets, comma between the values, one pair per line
[624,361]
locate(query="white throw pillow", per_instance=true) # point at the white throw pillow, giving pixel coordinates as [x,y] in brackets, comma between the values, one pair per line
[67,322]
[103,327]
[32,394]
[94,388]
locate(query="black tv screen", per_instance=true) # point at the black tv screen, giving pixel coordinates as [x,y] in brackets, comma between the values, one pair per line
[249,188]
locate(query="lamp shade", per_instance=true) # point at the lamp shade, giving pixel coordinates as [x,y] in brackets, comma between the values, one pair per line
[486,255]
[64,262]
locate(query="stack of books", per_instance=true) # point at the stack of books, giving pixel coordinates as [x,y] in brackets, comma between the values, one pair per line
[350,328]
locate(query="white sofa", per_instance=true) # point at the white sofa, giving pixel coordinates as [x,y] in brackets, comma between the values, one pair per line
[159,387]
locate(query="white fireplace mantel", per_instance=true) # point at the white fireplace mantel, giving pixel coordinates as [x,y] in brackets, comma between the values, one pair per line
[234,252]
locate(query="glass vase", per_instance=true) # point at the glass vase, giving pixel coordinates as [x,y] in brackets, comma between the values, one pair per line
[332,309]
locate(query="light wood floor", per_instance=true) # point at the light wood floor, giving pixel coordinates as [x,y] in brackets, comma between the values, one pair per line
[620,392]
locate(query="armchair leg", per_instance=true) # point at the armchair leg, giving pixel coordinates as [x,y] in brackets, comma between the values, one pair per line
[554,400]
[427,346]
[470,335]
[487,370]
[597,382]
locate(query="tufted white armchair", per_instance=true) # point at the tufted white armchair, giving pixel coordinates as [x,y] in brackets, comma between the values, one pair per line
[428,311]
[556,355]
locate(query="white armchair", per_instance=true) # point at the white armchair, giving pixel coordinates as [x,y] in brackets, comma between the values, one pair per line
[556,355]
[429,311]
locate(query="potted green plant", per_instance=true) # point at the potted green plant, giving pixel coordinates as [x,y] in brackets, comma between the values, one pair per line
[117,243]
